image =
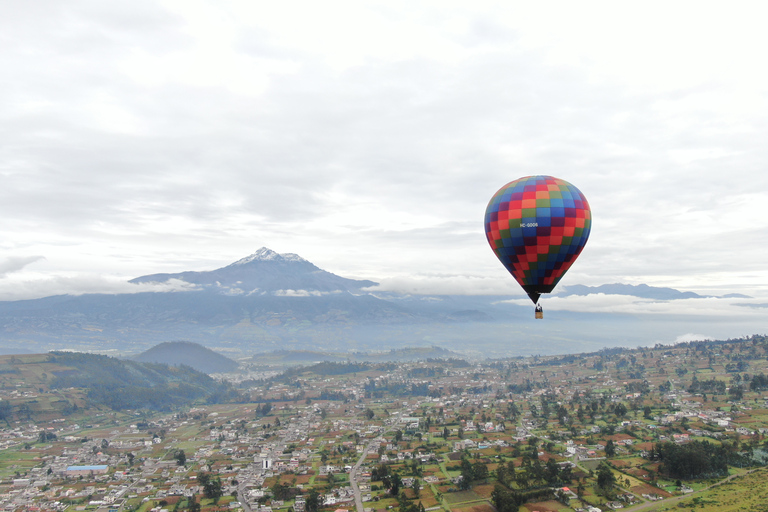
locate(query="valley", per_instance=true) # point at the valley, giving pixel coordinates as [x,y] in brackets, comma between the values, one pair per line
[652,428]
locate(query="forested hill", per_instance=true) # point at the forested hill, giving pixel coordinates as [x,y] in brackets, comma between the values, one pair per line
[186,353]
[120,384]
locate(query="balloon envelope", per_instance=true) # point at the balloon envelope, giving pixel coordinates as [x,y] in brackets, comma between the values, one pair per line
[537,227]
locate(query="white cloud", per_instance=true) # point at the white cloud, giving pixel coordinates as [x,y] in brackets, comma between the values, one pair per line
[304,293]
[21,288]
[448,285]
[684,338]
[625,304]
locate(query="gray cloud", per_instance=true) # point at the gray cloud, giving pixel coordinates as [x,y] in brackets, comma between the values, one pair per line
[16,263]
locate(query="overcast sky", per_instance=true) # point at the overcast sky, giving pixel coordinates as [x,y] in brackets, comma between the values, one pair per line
[151,136]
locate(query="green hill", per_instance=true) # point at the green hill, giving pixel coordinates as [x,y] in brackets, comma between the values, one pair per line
[194,355]
[120,384]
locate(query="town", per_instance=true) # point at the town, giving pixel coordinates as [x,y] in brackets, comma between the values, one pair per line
[664,426]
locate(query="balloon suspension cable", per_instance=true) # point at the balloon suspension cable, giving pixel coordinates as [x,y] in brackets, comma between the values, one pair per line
[534,296]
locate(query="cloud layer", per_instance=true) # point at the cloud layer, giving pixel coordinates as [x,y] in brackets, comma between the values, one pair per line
[625,304]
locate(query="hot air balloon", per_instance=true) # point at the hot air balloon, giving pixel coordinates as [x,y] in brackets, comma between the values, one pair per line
[537,227]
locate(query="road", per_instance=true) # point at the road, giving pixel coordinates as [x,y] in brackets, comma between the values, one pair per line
[353,480]
[241,498]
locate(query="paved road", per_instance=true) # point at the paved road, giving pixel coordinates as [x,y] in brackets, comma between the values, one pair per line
[353,480]
[241,498]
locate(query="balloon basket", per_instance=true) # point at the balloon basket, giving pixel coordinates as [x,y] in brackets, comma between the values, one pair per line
[539,315]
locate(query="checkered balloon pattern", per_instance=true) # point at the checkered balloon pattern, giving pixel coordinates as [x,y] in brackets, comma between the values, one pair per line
[537,227]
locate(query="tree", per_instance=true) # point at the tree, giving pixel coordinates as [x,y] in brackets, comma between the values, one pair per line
[181,457]
[551,472]
[501,475]
[379,472]
[264,410]
[610,448]
[215,491]
[504,500]
[25,410]
[282,491]
[479,471]
[45,436]
[211,486]
[369,414]
[314,501]
[396,482]
[522,478]
[605,477]
[194,506]
[5,410]
[416,468]
[467,474]
[695,459]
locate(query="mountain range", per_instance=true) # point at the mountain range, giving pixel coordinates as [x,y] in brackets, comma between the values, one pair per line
[640,290]
[269,301]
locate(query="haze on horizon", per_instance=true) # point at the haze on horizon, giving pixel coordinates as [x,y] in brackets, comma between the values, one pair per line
[367,137]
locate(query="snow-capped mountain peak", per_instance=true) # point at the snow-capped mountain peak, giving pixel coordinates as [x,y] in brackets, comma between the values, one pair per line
[266,271]
[266,254]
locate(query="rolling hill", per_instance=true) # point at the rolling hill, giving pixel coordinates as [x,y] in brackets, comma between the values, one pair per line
[67,381]
[194,355]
